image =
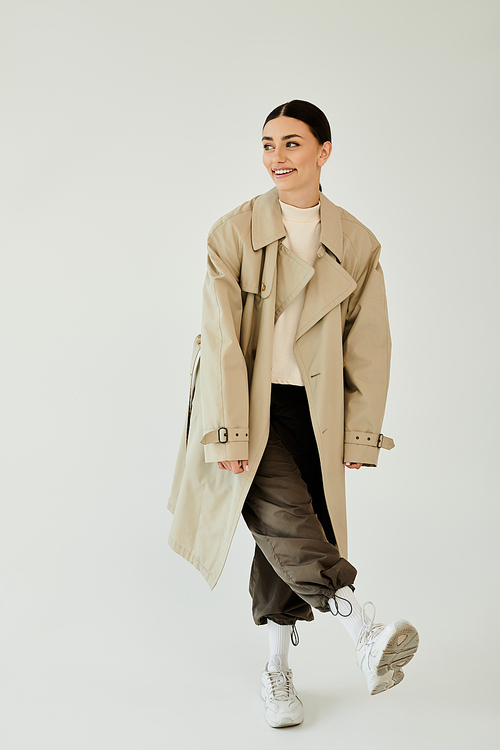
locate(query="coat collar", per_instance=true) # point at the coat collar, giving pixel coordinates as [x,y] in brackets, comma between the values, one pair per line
[267,223]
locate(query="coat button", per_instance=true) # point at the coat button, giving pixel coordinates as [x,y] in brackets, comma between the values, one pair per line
[263,287]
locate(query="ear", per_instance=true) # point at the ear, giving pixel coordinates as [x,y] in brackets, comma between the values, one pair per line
[324,154]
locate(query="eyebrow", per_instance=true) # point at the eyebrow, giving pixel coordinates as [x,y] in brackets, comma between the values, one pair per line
[293,135]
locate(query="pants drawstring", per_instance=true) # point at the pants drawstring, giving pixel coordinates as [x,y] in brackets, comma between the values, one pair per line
[335,597]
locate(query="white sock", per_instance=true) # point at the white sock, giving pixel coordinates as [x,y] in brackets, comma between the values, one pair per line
[350,613]
[279,643]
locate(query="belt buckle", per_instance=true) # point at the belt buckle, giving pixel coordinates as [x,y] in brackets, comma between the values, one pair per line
[380,440]
[224,430]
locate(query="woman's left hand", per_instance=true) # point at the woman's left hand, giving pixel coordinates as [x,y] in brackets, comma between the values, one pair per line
[352,466]
[235,466]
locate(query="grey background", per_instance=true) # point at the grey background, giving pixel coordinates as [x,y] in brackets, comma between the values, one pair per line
[127,129]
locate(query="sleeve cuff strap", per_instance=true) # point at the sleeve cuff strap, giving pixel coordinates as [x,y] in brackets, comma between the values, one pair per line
[226,435]
[371,439]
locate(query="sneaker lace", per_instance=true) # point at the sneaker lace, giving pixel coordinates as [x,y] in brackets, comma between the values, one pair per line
[280,681]
[371,629]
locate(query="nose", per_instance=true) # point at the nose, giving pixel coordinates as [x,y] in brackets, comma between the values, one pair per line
[279,154]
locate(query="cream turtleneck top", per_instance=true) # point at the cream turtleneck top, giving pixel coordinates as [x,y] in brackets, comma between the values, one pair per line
[303,231]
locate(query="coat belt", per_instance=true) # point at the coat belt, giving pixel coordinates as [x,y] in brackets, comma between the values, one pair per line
[369,438]
[225,435]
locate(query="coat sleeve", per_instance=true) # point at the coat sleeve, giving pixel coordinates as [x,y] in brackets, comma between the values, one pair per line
[367,353]
[223,371]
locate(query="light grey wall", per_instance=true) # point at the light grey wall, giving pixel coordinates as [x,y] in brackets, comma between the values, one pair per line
[127,129]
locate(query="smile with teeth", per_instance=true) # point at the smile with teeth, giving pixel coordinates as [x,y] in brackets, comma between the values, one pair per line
[281,172]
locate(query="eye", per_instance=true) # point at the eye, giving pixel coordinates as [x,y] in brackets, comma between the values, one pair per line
[267,146]
[291,143]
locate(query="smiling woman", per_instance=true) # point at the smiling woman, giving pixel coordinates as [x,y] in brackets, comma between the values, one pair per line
[294,153]
[289,389]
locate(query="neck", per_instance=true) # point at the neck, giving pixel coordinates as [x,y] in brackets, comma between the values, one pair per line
[305,198]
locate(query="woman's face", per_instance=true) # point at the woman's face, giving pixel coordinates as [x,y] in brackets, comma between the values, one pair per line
[292,155]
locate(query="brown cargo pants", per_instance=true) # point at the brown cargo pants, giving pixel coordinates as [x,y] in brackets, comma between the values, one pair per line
[296,564]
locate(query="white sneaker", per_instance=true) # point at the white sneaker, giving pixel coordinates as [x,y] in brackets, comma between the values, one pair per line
[283,705]
[383,649]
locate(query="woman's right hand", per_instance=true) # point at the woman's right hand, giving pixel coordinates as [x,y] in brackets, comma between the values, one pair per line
[235,466]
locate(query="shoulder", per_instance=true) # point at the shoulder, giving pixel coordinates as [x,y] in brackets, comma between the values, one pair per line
[356,232]
[235,223]
[361,247]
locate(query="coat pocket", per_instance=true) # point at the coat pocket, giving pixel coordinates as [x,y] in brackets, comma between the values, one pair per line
[193,377]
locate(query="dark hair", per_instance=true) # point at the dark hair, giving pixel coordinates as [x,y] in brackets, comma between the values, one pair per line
[313,117]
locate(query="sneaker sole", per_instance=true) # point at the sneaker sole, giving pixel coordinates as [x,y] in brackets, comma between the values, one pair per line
[284,721]
[396,654]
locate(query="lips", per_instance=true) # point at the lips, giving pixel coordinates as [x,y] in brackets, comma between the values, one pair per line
[284,174]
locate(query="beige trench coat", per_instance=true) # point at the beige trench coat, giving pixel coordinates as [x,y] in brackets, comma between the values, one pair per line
[342,346]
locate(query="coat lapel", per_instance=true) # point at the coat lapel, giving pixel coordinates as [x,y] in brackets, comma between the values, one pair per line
[328,287]
[328,283]
[293,274]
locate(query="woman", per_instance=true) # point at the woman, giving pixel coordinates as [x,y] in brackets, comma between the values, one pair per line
[293,375]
